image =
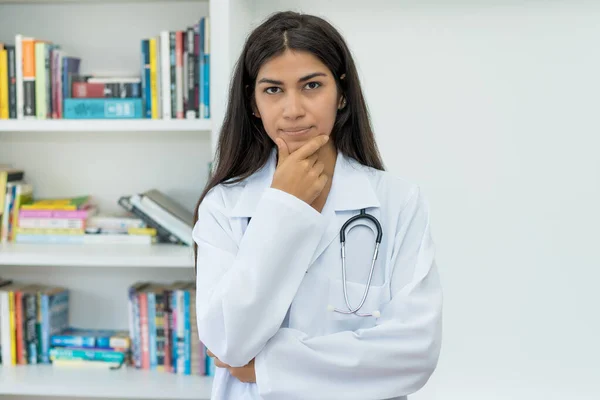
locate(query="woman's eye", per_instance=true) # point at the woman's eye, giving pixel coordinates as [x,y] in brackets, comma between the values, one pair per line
[313,85]
[272,90]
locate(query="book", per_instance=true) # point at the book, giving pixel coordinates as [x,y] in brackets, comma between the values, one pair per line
[92,338]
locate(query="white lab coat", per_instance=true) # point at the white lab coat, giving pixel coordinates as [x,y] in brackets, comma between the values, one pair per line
[263,289]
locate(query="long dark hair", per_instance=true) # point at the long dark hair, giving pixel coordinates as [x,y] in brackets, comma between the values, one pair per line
[244,146]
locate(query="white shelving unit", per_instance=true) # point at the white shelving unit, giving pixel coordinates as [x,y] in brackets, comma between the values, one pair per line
[45,380]
[108,159]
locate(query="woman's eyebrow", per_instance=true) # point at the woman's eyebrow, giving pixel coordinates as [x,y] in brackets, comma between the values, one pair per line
[303,79]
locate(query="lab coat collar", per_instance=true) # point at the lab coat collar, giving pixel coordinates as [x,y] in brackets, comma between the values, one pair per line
[351,188]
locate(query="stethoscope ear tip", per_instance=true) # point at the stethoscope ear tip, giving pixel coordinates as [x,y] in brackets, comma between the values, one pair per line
[376,314]
[330,308]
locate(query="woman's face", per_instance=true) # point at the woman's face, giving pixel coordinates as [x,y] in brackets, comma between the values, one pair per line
[296,98]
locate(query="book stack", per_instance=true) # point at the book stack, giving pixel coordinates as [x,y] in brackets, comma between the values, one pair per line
[172,222]
[176,73]
[163,329]
[29,315]
[75,347]
[71,220]
[39,80]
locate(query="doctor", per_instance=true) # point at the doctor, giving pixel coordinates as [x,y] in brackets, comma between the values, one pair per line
[284,314]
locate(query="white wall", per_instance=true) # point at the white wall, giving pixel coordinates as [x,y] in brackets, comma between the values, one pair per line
[492,106]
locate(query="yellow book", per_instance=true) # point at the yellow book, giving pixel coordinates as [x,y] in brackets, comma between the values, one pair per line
[142,231]
[153,79]
[3,84]
[50,231]
[23,196]
[65,204]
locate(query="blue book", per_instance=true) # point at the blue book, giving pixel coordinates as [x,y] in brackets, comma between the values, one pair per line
[70,68]
[188,333]
[60,353]
[103,108]
[92,338]
[146,90]
[152,329]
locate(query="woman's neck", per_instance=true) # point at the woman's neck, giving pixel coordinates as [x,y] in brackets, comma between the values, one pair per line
[328,156]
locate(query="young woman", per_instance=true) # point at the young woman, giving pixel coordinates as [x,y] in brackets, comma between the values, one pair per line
[287,309]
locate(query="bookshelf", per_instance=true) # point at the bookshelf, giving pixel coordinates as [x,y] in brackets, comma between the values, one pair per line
[44,380]
[107,159]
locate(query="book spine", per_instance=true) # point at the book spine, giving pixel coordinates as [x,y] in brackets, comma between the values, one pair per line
[206,69]
[165,74]
[30,306]
[153,80]
[173,72]
[144,330]
[48,76]
[4,106]
[180,333]
[45,339]
[188,334]
[185,73]
[191,74]
[72,341]
[160,330]
[5,323]
[167,328]
[152,329]
[103,108]
[135,330]
[40,80]
[29,78]
[55,214]
[88,355]
[12,83]
[58,310]
[179,74]
[145,73]
[173,328]
[13,327]
[198,68]
[51,223]
[19,319]
[19,75]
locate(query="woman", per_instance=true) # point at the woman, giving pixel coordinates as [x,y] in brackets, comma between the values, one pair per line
[296,159]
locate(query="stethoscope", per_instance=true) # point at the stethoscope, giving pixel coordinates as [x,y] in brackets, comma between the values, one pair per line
[351,310]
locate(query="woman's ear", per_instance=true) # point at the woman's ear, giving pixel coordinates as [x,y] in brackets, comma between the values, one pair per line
[342,103]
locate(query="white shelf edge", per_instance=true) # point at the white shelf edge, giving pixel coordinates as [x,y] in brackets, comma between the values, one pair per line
[105,125]
[18,2]
[48,380]
[96,255]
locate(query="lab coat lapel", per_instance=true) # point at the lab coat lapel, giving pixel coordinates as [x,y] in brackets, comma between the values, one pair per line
[351,190]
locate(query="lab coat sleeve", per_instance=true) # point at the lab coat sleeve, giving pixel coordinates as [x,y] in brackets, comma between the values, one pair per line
[394,358]
[243,291]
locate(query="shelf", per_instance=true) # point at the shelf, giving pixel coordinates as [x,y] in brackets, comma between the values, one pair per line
[48,380]
[96,255]
[103,125]
[85,1]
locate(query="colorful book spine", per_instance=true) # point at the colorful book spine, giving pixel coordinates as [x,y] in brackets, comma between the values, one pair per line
[103,108]
[87,354]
